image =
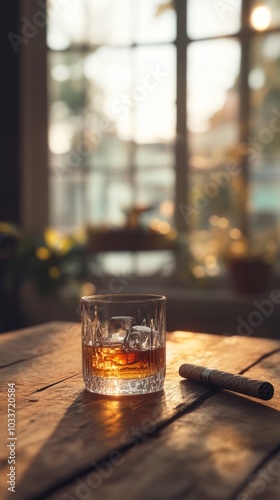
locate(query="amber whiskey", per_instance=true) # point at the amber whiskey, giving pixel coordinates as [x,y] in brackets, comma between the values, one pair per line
[116,362]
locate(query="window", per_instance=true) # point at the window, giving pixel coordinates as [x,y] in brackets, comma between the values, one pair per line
[112,110]
[172,106]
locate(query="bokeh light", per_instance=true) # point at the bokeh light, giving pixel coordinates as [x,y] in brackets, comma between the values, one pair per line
[260,18]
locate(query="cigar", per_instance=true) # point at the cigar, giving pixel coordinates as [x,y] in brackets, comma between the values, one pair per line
[223,380]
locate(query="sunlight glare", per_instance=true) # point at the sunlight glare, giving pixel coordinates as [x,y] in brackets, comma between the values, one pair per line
[60,136]
[260,18]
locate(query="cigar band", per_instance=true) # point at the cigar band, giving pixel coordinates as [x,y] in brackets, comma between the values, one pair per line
[205,376]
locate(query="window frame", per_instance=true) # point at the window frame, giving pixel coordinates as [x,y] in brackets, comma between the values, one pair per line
[34,144]
[34,181]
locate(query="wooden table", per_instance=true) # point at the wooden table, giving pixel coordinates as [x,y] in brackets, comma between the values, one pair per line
[187,442]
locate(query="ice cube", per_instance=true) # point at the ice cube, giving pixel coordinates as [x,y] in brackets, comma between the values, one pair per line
[119,327]
[140,337]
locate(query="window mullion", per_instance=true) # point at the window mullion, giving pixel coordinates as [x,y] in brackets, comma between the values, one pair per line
[244,125]
[181,132]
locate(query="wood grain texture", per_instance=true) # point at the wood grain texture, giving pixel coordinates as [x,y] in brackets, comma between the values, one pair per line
[209,453]
[179,436]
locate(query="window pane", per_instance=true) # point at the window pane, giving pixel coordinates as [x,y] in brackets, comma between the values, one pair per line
[153,94]
[66,100]
[215,193]
[140,263]
[109,21]
[120,98]
[107,195]
[96,198]
[156,154]
[213,124]
[67,206]
[264,146]
[265,14]
[107,150]
[214,213]
[155,21]
[89,21]
[155,188]
[207,18]
[213,71]
[108,107]
[67,23]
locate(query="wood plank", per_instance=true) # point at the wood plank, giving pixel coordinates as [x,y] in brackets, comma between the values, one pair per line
[264,482]
[268,369]
[38,357]
[206,454]
[62,428]
[28,343]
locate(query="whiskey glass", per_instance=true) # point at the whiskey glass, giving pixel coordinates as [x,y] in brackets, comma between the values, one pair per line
[123,343]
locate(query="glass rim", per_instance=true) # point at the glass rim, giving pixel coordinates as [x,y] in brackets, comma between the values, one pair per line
[128,298]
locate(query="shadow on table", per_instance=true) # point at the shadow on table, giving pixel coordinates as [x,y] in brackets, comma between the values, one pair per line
[98,433]
[95,429]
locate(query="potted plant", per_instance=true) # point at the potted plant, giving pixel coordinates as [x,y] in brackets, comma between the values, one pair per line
[250,265]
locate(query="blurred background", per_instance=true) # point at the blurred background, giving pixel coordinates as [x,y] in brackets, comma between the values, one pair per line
[140,150]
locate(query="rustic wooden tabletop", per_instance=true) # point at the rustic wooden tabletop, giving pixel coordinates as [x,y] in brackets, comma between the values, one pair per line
[187,442]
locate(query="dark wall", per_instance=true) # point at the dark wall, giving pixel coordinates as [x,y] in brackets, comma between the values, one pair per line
[9,114]
[9,156]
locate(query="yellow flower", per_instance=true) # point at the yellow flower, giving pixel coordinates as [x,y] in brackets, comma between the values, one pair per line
[43,253]
[9,229]
[57,242]
[54,272]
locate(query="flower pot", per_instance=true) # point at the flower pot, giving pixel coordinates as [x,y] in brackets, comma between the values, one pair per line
[249,274]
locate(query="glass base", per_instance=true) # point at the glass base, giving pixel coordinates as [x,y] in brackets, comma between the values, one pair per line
[124,387]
